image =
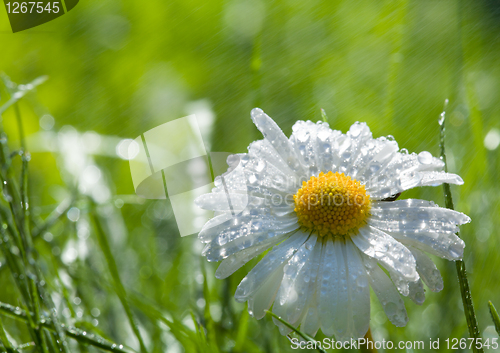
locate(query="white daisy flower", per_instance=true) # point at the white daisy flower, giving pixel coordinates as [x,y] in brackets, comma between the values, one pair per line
[319,201]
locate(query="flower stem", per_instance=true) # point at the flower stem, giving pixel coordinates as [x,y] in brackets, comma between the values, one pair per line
[470,315]
[297,331]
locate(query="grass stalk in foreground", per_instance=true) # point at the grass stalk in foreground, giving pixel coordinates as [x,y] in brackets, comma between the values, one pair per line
[118,285]
[470,314]
[494,316]
[297,331]
[5,340]
[324,117]
[18,230]
[77,334]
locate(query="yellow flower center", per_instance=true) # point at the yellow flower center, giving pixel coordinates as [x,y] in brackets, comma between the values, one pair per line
[333,204]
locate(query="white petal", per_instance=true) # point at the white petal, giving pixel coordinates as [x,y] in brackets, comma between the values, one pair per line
[308,140]
[234,179]
[357,320]
[226,220]
[386,250]
[438,178]
[417,294]
[387,294]
[311,321]
[214,226]
[328,286]
[401,283]
[275,258]
[427,270]
[446,245]
[253,233]
[416,210]
[344,297]
[264,150]
[298,282]
[351,146]
[375,155]
[276,137]
[222,201]
[413,226]
[234,262]
[406,171]
[421,224]
[264,177]
[248,184]
[262,299]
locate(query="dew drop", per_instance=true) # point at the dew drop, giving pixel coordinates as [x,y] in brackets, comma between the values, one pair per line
[425,157]
[261,165]
[355,130]
[441,119]
[252,179]
[362,282]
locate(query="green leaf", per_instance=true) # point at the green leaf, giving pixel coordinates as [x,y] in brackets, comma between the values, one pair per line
[494,316]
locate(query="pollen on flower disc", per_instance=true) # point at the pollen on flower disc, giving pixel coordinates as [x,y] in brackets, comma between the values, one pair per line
[332,203]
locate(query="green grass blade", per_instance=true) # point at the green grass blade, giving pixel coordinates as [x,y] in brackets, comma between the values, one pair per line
[202,341]
[18,202]
[209,322]
[72,332]
[241,335]
[59,331]
[5,340]
[183,334]
[324,117]
[468,305]
[18,94]
[494,316]
[297,331]
[37,317]
[25,346]
[118,285]
[53,217]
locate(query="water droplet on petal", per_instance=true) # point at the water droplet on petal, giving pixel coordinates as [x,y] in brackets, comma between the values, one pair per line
[425,157]
[261,165]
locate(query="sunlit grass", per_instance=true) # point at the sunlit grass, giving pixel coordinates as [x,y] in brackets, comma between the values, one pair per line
[132,277]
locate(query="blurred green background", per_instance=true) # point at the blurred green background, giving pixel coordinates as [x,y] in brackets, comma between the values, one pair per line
[119,68]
